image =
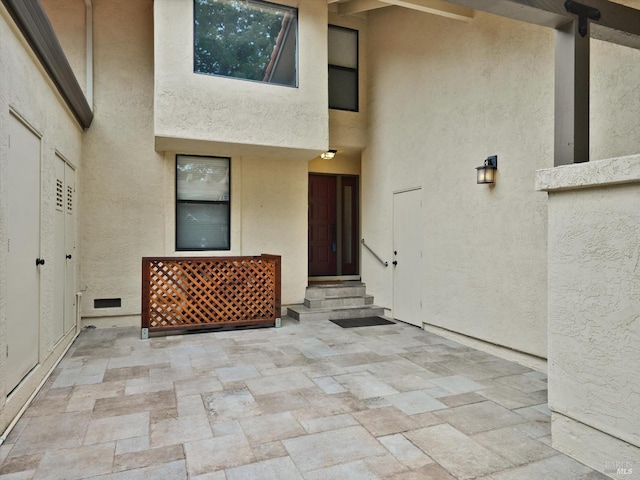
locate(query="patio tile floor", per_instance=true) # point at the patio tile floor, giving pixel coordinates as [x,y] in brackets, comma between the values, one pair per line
[306,401]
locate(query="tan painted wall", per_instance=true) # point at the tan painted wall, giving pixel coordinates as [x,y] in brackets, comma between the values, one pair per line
[594,309]
[268,215]
[615,100]
[68,20]
[123,183]
[274,218]
[250,118]
[26,89]
[446,95]
[129,188]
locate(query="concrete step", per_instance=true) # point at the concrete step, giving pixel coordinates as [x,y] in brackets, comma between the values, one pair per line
[300,312]
[333,302]
[344,289]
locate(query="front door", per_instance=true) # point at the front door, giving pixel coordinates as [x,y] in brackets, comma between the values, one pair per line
[323,243]
[407,257]
[23,287]
[334,225]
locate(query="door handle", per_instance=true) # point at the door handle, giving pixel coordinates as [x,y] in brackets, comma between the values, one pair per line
[39,261]
[69,257]
[395,262]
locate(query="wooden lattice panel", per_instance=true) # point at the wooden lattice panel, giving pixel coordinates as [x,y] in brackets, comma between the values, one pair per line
[203,292]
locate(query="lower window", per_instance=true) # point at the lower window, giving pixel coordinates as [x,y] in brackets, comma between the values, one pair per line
[203,210]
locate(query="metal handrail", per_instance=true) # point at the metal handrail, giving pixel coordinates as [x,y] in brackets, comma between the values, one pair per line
[386,264]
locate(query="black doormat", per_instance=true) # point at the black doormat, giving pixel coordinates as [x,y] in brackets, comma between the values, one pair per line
[361,322]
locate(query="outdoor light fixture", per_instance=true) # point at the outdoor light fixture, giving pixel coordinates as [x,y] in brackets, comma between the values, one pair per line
[487,172]
[328,155]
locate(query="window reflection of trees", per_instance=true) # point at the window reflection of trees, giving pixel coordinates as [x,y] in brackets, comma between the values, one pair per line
[246,39]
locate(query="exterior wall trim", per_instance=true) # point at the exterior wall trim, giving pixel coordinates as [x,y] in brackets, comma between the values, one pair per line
[612,171]
[34,24]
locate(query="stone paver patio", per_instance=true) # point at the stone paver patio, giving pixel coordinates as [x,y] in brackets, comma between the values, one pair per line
[306,401]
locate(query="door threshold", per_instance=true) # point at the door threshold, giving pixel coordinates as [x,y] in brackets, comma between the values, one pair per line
[333,278]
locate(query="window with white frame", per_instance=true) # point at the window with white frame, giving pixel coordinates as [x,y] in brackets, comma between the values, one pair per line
[343,68]
[203,207]
[247,39]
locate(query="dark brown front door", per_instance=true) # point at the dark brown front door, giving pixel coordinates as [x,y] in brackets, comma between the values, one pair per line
[334,225]
[322,225]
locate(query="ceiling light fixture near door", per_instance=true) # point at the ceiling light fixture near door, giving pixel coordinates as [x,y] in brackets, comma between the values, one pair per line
[487,172]
[328,155]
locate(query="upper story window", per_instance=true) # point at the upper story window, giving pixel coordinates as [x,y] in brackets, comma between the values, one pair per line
[202,203]
[343,68]
[248,39]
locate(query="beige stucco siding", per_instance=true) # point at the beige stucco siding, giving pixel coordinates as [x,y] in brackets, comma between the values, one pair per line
[129,187]
[69,22]
[268,215]
[594,309]
[27,91]
[447,95]
[240,117]
[615,100]
[123,184]
[274,218]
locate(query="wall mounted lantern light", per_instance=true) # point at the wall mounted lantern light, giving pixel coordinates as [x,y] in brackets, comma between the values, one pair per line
[328,155]
[487,172]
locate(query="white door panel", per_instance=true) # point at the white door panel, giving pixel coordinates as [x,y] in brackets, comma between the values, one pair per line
[58,262]
[64,261]
[70,249]
[407,259]
[23,292]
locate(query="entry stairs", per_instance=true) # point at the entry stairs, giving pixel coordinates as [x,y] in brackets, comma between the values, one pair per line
[335,301]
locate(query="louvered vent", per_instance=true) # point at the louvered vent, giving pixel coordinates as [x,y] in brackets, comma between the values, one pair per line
[69,199]
[59,195]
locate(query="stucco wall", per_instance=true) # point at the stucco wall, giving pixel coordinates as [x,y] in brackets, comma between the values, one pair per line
[123,183]
[268,214]
[594,309]
[615,100]
[69,22]
[444,96]
[274,218]
[279,121]
[26,90]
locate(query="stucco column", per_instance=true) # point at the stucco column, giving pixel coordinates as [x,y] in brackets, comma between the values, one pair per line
[594,312]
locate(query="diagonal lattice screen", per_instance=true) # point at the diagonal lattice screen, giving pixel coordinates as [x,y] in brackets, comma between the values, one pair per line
[181,293]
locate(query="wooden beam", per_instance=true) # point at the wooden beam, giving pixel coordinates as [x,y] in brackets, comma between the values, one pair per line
[571,96]
[359,6]
[618,24]
[436,7]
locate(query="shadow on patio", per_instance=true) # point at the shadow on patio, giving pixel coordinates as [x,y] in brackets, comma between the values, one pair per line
[306,401]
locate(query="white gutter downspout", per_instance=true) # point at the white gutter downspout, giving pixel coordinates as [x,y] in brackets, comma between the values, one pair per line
[89,48]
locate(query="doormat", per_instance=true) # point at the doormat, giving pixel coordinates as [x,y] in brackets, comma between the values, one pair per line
[362,322]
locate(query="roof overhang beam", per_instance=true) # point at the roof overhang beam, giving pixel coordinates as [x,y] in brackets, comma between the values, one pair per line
[359,6]
[618,23]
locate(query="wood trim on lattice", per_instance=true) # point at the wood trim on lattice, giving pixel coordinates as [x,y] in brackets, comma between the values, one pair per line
[185,293]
